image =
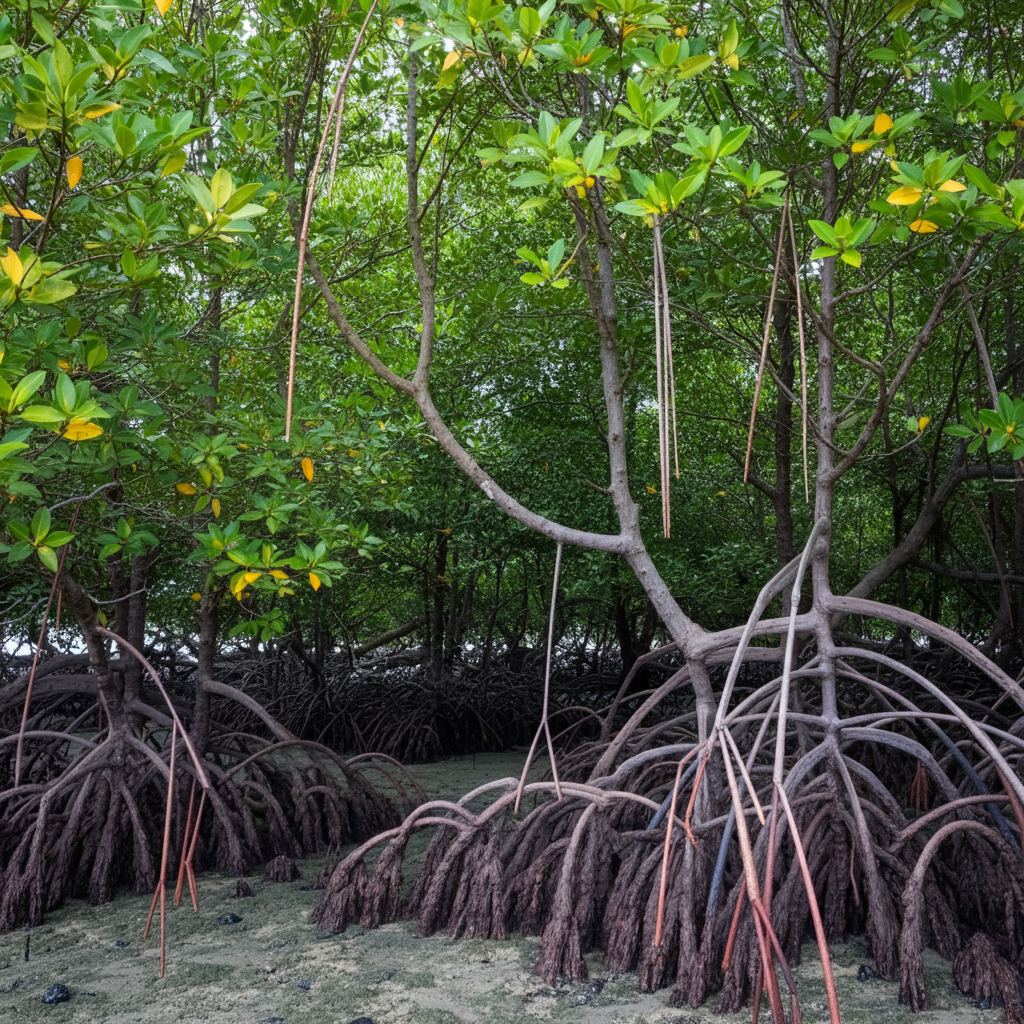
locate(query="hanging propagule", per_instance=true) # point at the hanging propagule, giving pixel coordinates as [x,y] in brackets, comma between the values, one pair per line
[666,387]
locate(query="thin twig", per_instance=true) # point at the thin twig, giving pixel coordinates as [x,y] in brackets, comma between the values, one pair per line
[803,349]
[545,726]
[337,109]
[764,342]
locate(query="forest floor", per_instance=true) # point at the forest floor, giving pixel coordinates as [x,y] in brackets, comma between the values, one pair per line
[273,967]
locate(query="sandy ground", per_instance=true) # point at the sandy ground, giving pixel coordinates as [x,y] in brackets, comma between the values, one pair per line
[273,967]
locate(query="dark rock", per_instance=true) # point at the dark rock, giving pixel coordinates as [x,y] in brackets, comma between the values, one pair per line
[242,889]
[282,869]
[305,984]
[230,919]
[361,1020]
[56,994]
[271,1020]
[120,943]
[866,973]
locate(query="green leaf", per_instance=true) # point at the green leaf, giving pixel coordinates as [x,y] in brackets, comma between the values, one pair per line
[128,263]
[48,557]
[851,256]
[824,231]
[693,66]
[824,251]
[40,525]
[532,278]
[528,179]
[25,389]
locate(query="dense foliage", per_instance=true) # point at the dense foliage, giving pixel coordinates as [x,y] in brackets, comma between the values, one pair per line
[552,259]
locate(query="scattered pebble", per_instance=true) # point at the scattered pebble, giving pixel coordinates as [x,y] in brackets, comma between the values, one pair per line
[120,943]
[230,919]
[305,984]
[56,994]
[868,973]
[361,1020]
[271,1020]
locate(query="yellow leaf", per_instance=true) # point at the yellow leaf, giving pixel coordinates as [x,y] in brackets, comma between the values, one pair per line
[64,365]
[924,227]
[307,469]
[952,186]
[252,577]
[104,108]
[923,422]
[354,453]
[588,182]
[186,489]
[278,574]
[452,59]
[238,586]
[173,164]
[905,195]
[721,494]
[81,430]
[861,147]
[73,169]
[215,505]
[883,122]
[163,6]
[733,61]
[314,581]
[197,596]
[11,265]
[17,211]
[651,490]
[400,22]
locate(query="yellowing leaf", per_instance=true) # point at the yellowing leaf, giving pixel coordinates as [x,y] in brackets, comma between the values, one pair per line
[81,430]
[952,186]
[451,60]
[861,147]
[883,122]
[73,169]
[720,494]
[314,581]
[221,187]
[17,211]
[252,577]
[354,453]
[905,195]
[64,365]
[186,489]
[923,422]
[279,574]
[11,266]
[163,6]
[101,109]
[238,586]
[307,469]
[924,227]
[174,163]
[733,61]
[197,596]
[215,505]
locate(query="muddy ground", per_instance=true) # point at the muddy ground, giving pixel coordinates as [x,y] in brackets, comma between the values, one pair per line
[273,967]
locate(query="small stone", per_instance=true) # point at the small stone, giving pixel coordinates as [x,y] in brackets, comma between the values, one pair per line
[305,984]
[230,919]
[120,943]
[56,994]
[866,973]
[361,1020]
[271,1020]
[242,889]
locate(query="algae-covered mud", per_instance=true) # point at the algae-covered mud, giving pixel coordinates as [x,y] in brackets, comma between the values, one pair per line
[273,967]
